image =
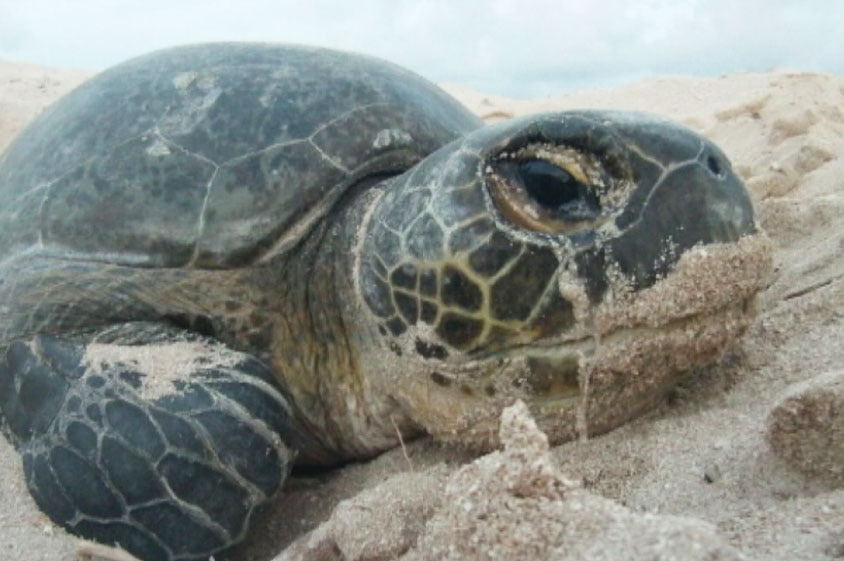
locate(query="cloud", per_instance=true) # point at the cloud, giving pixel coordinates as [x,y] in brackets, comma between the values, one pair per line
[512,47]
[12,31]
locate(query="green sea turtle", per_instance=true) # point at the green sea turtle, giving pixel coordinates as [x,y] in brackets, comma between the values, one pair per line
[222,259]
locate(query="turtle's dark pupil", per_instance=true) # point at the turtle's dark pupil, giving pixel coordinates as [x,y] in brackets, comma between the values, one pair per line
[557,191]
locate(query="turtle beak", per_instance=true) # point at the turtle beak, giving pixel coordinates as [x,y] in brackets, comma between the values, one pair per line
[695,202]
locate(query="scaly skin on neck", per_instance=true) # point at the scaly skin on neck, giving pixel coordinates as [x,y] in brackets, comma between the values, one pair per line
[321,339]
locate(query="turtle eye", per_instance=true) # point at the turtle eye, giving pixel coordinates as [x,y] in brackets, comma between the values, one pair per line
[543,196]
[556,190]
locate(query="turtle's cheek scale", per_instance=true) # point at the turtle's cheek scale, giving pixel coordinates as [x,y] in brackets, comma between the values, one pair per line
[176,477]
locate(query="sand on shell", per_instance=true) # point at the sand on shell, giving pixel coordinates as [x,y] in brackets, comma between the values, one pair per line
[695,479]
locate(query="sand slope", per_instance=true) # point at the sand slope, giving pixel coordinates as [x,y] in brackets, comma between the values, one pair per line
[696,479]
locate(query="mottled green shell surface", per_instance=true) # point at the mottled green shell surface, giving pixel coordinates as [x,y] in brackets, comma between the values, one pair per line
[213,155]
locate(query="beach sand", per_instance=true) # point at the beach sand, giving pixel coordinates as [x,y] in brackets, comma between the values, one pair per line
[744,460]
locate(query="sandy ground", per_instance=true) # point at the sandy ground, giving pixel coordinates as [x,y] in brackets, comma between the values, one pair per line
[745,460]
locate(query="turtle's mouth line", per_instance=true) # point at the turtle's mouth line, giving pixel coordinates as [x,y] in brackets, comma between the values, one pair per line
[586,344]
[557,367]
[709,284]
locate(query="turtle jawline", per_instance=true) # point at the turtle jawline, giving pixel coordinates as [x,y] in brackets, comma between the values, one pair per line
[557,347]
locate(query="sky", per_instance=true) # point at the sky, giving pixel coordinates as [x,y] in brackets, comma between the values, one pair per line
[516,48]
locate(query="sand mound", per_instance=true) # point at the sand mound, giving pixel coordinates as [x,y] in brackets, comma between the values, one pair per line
[740,463]
[512,504]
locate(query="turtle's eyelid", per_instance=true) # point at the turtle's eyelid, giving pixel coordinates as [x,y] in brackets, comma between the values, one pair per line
[574,169]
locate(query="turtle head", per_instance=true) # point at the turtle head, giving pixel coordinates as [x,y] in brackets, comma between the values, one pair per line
[559,259]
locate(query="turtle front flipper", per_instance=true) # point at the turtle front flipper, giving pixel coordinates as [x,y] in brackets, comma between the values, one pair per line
[163,445]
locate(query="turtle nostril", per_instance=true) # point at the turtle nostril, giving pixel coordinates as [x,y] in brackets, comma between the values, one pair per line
[715,166]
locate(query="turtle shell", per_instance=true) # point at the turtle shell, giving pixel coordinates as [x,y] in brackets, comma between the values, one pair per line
[213,156]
